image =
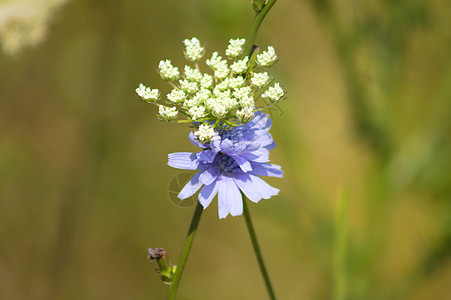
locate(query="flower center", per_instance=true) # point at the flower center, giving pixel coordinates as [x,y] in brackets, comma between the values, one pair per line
[225,163]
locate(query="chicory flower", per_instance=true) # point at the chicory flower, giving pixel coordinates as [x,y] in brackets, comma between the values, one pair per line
[229,164]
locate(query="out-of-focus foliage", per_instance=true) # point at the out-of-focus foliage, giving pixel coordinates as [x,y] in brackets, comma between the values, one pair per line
[83,175]
[24,23]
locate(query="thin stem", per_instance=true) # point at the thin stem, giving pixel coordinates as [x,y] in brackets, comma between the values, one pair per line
[185,252]
[258,253]
[256,25]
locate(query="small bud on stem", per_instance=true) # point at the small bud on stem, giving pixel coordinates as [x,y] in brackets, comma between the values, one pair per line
[166,270]
[258,5]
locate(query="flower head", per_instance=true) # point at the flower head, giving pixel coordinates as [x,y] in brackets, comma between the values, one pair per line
[230,163]
[193,49]
[167,113]
[176,96]
[229,125]
[205,133]
[259,79]
[274,93]
[235,48]
[147,94]
[192,74]
[240,66]
[267,58]
[167,71]
[223,98]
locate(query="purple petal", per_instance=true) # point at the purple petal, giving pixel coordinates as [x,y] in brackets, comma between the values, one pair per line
[261,155]
[249,147]
[207,193]
[249,156]
[209,175]
[206,156]
[260,121]
[191,187]
[227,146]
[264,122]
[265,189]
[194,140]
[264,169]
[245,184]
[229,198]
[243,163]
[270,145]
[183,160]
[215,144]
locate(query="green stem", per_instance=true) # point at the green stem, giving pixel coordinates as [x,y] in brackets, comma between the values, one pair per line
[256,25]
[258,253]
[185,252]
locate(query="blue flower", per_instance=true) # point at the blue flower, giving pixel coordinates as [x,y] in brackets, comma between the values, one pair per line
[229,163]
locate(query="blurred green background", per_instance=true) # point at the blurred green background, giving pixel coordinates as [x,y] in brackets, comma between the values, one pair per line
[83,174]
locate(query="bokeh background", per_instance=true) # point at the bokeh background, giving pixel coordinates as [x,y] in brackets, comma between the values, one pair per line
[364,138]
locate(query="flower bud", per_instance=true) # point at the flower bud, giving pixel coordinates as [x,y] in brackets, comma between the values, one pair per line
[258,5]
[166,270]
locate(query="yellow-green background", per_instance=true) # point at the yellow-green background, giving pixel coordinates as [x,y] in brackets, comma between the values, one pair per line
[83,174]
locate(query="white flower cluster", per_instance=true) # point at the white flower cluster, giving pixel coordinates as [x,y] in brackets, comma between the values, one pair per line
[167,114]
[235,48]
[147,94]
[205,133]
[267,58]
[221,100]
[24,23]
[260,79]
[218,65]
[193,51]
[274,93]
[167,71]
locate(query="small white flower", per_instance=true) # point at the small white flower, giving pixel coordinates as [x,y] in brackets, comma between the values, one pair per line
[176,96]
[192,74]
[147,94]
[267,58]
[200,97]
[193,49]
[237,82]
[197,112]
[217,64]
[274,94]
[240,66]
[235,48]
[225,101]
[167,113]
[245,114]
[188,86]
[217,107]
[242,92]
[221,94]
[219,110]
[247,102]
[260,79]
[222,71]
[231,103]
[203,94]
[206,81]
[167,71]
[205,133]
[222,86]
[214,60]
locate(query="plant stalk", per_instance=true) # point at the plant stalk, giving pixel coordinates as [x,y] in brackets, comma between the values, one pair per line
[185,252]
[258,253]
[256,25]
